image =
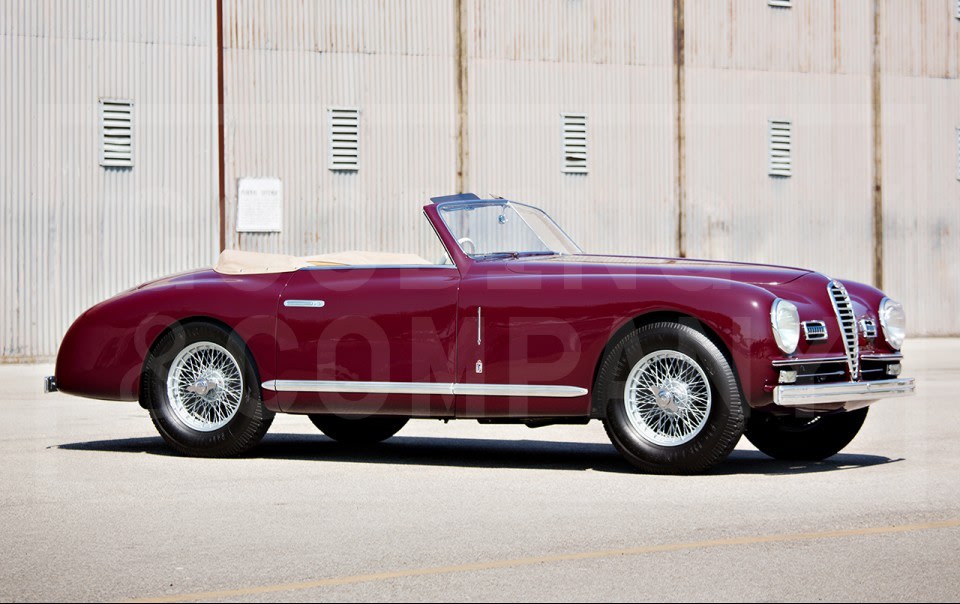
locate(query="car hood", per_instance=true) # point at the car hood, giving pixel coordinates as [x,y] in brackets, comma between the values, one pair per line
[755,274]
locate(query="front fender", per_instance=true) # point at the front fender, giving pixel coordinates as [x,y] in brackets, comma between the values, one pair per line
[738,314]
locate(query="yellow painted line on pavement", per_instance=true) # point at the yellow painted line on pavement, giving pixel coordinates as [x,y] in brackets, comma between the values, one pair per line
[520,562]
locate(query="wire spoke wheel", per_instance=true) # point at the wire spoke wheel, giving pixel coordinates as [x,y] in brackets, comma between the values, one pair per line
[671,404]
[667,398]
[205,386]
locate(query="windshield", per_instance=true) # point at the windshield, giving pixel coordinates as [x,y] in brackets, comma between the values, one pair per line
[494,228]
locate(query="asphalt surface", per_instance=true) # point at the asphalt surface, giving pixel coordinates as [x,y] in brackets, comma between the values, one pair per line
[94,506]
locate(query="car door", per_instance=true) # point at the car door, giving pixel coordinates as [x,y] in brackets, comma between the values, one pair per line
[519,349]
[368,340]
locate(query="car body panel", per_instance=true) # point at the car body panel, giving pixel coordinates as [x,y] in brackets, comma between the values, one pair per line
[553,329]
[377,325]
[102,354]
[587,264]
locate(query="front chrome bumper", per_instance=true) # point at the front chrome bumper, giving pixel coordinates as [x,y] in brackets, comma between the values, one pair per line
[843,392]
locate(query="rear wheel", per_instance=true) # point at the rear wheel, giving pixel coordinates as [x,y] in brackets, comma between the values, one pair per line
[793,438]
[202,392]
[358,430]
[671,400]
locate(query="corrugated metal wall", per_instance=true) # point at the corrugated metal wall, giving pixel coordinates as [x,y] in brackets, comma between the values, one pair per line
[528,62]
[396,61]
[73,232]
[815,36]
[286,62]
[920,61]
[748,63]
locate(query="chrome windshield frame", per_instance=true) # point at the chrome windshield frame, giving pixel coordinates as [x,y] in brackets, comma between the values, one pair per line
[445,206]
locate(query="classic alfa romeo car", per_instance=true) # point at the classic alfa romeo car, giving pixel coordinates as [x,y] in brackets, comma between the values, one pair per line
[511,323]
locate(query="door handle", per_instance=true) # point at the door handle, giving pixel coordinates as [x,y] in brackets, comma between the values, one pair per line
[303,303]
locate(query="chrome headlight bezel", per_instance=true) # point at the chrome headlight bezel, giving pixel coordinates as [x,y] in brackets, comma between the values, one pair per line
[785,323]
[893,320]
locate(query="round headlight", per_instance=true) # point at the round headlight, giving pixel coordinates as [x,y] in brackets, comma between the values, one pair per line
[785,321]
[894,322]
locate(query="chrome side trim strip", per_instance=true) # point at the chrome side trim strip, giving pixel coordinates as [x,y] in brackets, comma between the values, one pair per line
[807,361]
[343,386]
[518,390]
[842,392]
[895,356]
[423,388]
[304,303]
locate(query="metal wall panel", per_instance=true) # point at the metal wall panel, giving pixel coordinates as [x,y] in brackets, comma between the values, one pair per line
[286,62]
[815,36]
[920,62]
[747,63]
[74,232]
[626,203]
[818,218]
[609,32]
[921,207]
[529,62]
[920,38]
[168,22]
[383,27]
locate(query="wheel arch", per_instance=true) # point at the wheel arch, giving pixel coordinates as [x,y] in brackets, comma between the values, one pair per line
[598,407]
[183,323]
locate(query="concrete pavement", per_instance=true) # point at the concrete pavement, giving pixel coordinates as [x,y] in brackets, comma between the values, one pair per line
[94,506]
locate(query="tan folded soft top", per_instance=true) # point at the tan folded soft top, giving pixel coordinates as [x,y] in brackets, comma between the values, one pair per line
[237,262]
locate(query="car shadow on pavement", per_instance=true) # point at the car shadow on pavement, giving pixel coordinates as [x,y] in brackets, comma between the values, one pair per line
[484,453]
[755,462]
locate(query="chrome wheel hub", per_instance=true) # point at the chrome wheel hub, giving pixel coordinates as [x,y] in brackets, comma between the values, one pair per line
[672,396]
[667,398]
[204,386]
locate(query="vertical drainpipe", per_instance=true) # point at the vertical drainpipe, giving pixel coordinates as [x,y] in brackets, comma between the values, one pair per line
[462,142]
[222,186]
[877,115]
[678,64]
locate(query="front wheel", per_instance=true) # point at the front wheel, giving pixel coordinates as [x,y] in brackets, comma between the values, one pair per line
[671,400]
[797,438]
[358,430]
[202,392]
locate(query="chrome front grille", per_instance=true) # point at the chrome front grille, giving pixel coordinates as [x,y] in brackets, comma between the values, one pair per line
[848,326]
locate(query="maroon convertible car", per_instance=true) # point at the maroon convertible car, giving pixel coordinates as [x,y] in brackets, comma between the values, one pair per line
[511,322]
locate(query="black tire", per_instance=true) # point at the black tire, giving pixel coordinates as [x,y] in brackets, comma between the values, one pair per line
[719,432]
[798,438]
[358,430]
[243,430]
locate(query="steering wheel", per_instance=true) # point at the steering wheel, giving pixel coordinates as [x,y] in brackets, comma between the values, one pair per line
[463,241]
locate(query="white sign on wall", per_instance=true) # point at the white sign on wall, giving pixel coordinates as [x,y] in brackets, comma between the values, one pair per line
[259,205]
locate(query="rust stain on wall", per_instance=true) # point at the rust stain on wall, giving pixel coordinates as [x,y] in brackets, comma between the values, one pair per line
[836,37]
[678,61]
[732,25]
